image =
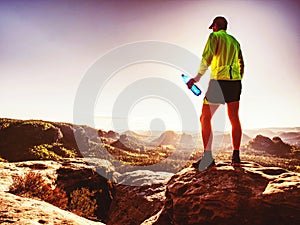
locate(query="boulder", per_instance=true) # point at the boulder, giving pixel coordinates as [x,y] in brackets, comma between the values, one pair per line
[273,146]
[224,195]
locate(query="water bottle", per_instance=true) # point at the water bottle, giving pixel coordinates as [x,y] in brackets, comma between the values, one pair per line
[194,88]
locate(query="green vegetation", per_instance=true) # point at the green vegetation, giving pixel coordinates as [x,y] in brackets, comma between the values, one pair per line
[83,202]
[37,123]
[51,152]
[36,139]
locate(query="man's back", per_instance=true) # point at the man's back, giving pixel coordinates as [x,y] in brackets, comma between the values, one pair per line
[222,52]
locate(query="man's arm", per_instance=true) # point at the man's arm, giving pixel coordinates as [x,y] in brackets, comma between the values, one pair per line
[207,56]
[202,69]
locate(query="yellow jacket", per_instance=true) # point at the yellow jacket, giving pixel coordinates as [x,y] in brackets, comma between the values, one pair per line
[223,54]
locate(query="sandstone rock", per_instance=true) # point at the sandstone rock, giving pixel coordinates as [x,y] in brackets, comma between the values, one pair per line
[139,194]
[167,138]
[10,170]
[21,211]
[110,134]
[132,205]
[143,177]
[72,176]
[67,174]
[223,195]
[130,143]
[275,146]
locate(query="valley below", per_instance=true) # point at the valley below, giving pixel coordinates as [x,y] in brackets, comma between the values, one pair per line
[61,173]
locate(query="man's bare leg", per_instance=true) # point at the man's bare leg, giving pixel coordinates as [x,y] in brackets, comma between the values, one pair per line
[208,110]
[236,132]
[207,160]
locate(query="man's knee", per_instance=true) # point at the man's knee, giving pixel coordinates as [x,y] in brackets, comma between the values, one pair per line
[234,119]
[205,117]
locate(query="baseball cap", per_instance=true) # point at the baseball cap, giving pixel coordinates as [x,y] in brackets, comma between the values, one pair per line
[220,21]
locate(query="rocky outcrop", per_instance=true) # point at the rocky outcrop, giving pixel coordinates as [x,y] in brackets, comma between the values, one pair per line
[18,138]
[143,178]
[132,205]
[131,198]
[273,146]
[250,194]
[139,194]
[66,174]
[18,210]
[128,143]
[110,134]
[24,140]
[168,138]
[225,195]
[71,176]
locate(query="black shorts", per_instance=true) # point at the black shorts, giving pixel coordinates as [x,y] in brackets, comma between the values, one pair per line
[221,91]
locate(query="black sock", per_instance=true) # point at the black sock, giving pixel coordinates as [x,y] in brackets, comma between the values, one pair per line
[236,152]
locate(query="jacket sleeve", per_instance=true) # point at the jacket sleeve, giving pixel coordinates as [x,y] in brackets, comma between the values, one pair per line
[241,63]
[208,53]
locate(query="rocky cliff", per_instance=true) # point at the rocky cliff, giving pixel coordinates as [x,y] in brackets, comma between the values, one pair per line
[225,195]
[22,140]
[131,198]
[274,146]
[173,138]
[250,194]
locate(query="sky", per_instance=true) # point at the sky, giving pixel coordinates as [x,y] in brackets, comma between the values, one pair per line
[48,47]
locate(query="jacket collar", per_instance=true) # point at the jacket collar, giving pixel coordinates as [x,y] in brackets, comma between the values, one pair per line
[220,31]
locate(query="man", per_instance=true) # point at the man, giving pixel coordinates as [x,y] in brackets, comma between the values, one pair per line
[223,54]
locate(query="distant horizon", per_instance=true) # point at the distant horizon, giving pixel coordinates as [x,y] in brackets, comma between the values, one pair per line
[132,130]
